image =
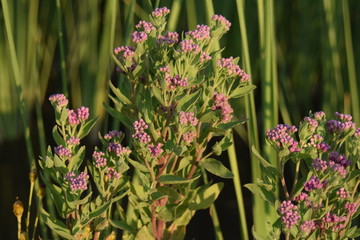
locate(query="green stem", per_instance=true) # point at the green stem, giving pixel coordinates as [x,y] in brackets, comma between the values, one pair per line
[29,206]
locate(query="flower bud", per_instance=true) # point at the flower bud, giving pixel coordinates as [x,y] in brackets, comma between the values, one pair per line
[18,208]
[41,192]
[23,235]
[32,175]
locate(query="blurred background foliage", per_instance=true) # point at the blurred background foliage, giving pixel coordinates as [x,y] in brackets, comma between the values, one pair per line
[302,55]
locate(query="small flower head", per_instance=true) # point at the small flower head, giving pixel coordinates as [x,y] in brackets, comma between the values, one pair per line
[319,115]
[218,19]
[73,141]
[169,39]
[343,117]
[351,208]
[281,137]
[77,182]
[312,123]
[176,81]
[155,151]
[319,165]
[82,113]
[204,57]
[62,152]
[342,193]
[112,174]
[113,134]
[314,183]
[118,149]
[140,134]
[188,46]
[124,52]
[160,12]
[138,37]
[146,27]
[188,118]
[201,32]
[308,226]
[221,104]
[58,100]
[99,158]
[339,159]
[188,137]
[290,215]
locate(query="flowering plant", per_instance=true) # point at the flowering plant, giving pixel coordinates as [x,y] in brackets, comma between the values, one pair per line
[324,198]
[173,101]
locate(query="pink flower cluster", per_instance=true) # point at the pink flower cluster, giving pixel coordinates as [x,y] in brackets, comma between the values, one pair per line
[204,57]
[222,20]
[138,37]
[118,149]
[160,12]
[188,118]
[308,226]
[176,81]
[339,159]
[140,134]
[319,115]
[62,152]
[73,141]
[281,136]
[125,51]
[351,208]
[201,32]
[342,193]
[81,114]
[146,27]
[343,117]
[314,183]
[319,164]
[317,142]
[333,221]
[99,157]
[155,151]
[357,132]
[290,215]
[113,134]
[77,183]
[189,46]
[169,38]
[59,100]
[233,69]
[188,137]
[221,104]
[312,123]
[343,123]
[112,174]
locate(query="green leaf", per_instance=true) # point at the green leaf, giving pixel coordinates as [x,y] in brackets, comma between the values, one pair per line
[242,91]
[257,236]
[179,233]
[168,191]
[173,179]
[261,192]
[229,125]
[184,219]
[77,159]
[121,225]
[138,165]
[158,95]
[165,213]
[225,143]
[188,100]
[49,163]
[269,167]
[353,232]
[209,116]
[144,234]
[216,167]
[86,128]
[56,225]
[97,212]
[118,115]
[206,196]
[119,95]
[58,139]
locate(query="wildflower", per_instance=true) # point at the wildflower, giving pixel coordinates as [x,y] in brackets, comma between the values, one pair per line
[312,123]
[59,100]
[82,113]
[147,27]
[222,20]
[308,226]
[155,151]
[176,81]
[118,149]
[339,159]
[317,142]
[160,12]
[73,141]
[188,137]
[357,132]
[339,169]
[62,152]
[77,183]
[125,51]
[138,37]
[99,158]
[343,117]
[189,46]
[201,32]
[342,193]
[188,118]
[314,183]
[72,117]
[140,134]
[233,69]
[204,56]
[319,115]
[111,174]
[289,213]
[281,137]
[221,103]
[351,207]
[319,165]
[337,127]
[113,134]
[169,38]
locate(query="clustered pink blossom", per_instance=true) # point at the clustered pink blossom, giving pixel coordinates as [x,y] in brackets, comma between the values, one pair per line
[342,193]
[319,115]
[222,20]
[118,149]
[169,38]
[233,69]
[188,118]
[201,32]
[312,123]
[333,221]
[343,117]
[138,37]
[204,57]
[140,134]
[338,169]
[146,27]
[290,215]
[339,159]
[357,132]
[81,114]
[125,51]
[317,141]
[343,123]
[59,100]
[77,183]
[308,226]
[189,46]
[73,141]
[319,164]
[351,208]
[221,104]
[176,81]
[160,12]
[281,136]
[62,152]
[99,158]
[112,174]
[165,70]
[113,134]
[155,151]
[188,137]
[314,183]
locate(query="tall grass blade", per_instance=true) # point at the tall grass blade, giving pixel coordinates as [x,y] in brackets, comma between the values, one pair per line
[174,15]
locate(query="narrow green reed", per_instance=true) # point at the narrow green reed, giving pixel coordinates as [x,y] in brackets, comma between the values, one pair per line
[174,15]
[61,48]
[355,106]
[191,14]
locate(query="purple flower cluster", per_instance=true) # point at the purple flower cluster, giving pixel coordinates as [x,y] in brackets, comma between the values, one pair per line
[138,37]
[73,141]
[204,57]
[189,46]
[118,149]
[155,151]
[176,81]
[160,12]
[333,221]
[188,118]
[357,132]
[100,160]
[169,38]
[343,117]
[317,142]
[201,32]
[314,183]
[233,69]
[113,134]
[319,164]
[308,226]
[112,174]
[351,208]
[281,136]
[146,27]
[312,123]
[62,152]
[338,169]
[81,114]
[339,159]
[188,137]
[59,100]
[289,213]
[125,51]
[335,126]
[342,193]
[140,134]
[222,20]
[77,183]
[319,115]
[221,104]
